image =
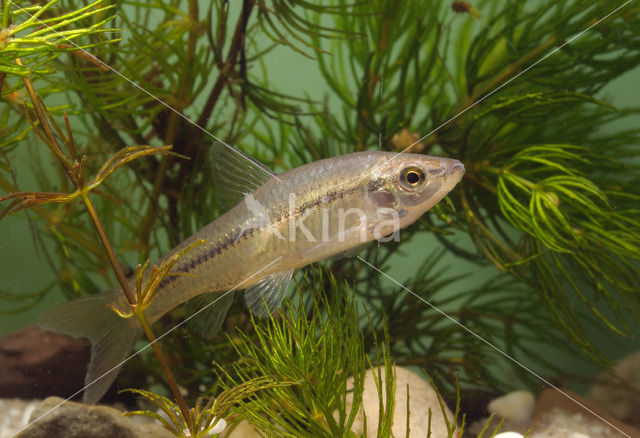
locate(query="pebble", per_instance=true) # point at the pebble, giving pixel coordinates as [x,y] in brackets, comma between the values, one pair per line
[517,407]
[241,429]
[618,392]
[558,423]
[567,415]
[55,417]
[422,398]
[14,415]
[508,435]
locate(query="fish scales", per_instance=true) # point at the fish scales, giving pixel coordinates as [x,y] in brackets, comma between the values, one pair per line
[238,236]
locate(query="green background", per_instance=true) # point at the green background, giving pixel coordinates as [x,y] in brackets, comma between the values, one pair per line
[23,271]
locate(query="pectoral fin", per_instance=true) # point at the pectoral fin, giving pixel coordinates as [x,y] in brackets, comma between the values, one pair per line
[337,246]
[351,252]
[266,296]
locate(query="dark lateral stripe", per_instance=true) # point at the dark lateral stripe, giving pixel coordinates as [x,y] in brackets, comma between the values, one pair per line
[226,244]
[210,252]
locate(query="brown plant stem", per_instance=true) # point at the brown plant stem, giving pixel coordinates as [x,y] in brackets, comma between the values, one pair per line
[164,364]
[472,219]
[237,44]
[172,128]
[108,249]
[479,92]
[149,217]
[54,146]
[162,360]
[510,70]
[78,181]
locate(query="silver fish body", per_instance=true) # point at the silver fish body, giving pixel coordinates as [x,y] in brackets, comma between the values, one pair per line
[304,215]
[291,220]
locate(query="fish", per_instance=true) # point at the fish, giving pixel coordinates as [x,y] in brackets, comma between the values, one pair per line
[275,224]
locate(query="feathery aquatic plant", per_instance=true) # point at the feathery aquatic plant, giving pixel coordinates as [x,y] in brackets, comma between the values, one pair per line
[513,89]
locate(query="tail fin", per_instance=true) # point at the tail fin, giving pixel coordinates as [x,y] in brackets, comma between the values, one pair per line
[112,337]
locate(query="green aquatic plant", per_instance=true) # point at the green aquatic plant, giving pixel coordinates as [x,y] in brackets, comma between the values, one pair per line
[548,205]
[318,346]
[318,354]
[206,418]
[51,135]
[534,200]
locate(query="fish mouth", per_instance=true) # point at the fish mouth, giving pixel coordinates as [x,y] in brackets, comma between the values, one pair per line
[455,168]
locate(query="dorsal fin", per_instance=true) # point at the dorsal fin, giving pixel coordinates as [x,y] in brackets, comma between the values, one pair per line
[235,174]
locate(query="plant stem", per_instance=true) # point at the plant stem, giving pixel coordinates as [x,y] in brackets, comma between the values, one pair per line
[80,185]
[164,364]
[147,222]
[510,70]
[172,127]
[5,14]
[53,143]
[237,44]
[515,178]
[143,321]
[473,220]
[497,82]
[108,249]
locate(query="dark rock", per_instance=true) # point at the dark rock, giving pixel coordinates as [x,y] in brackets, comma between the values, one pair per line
[36,363]
[56,418]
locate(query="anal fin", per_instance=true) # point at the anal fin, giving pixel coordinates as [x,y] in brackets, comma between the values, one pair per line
[208,311]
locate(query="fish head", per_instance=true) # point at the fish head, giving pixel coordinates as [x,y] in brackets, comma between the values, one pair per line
[402,187]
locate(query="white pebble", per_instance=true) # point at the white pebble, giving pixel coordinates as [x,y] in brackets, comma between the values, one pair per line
[509,435]
[219,427]
[516,407]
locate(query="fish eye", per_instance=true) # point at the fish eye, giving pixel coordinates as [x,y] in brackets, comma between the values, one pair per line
[412,177]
